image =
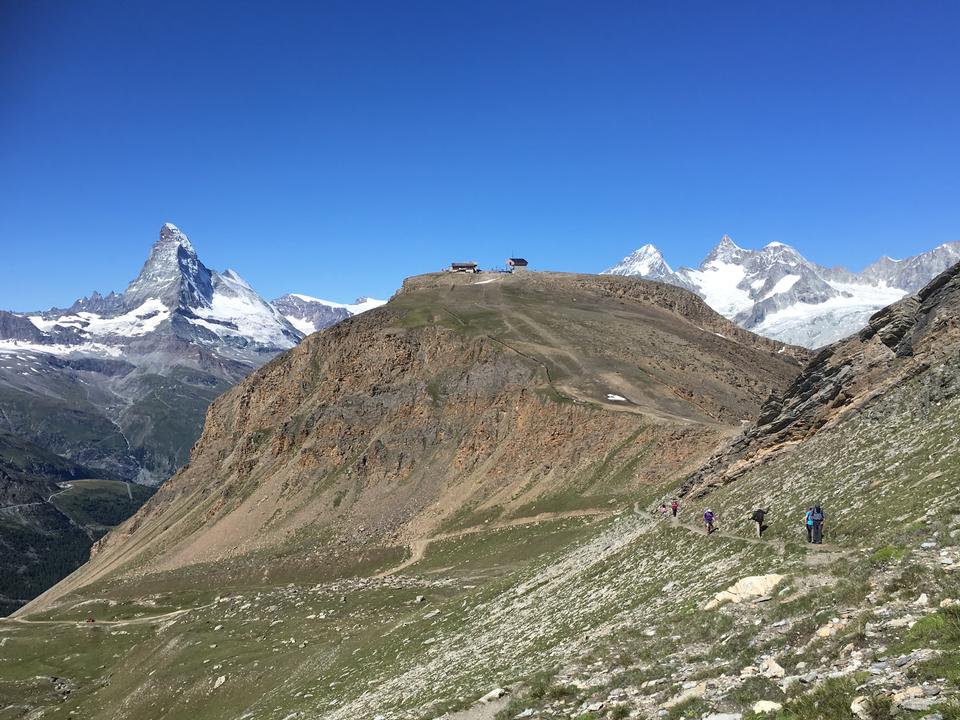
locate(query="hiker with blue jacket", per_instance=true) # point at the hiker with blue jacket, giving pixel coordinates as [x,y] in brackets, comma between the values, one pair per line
[808,523]
[817,518]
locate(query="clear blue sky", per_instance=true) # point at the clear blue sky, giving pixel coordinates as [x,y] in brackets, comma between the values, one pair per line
[333,148]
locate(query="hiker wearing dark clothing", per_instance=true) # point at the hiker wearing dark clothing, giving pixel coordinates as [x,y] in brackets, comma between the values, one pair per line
[817,518]
[674,506]
[808,522]
[758,515]
[708,520]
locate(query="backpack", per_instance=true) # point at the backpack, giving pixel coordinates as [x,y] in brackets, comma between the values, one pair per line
[817,516]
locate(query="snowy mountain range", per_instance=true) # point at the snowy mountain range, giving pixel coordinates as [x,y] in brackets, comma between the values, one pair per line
[778,293]
[309,314]
[121,383]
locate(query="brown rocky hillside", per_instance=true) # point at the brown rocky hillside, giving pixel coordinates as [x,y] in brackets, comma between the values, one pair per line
[466,400]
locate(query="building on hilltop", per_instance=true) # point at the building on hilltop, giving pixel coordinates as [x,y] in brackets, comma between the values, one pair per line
[516,264]
[465,267]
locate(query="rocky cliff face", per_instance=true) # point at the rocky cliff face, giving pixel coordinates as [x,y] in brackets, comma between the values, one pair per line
[899,343]
[458,401]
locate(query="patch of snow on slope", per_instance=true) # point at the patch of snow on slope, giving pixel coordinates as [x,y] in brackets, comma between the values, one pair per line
[783,284]
[16,346]
[818,324]
[718,282]
[234,302]
[361,305]
[364,304]
[138,321]
[304,326]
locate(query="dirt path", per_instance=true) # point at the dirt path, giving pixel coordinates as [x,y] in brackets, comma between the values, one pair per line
[779,544]
[418,548]
[112,623]
[65,486]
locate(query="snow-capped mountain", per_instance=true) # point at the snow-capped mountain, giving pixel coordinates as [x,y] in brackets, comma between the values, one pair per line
[309,314]
[646,262]
[174,296]
[777,292]
[121,382]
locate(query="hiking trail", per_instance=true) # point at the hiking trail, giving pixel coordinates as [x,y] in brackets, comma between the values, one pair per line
[418,548]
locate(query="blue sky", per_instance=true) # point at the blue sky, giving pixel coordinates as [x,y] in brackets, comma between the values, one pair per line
[333,148]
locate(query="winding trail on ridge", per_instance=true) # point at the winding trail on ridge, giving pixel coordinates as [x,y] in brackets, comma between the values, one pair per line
[113,623]
[780,545]
[418,548]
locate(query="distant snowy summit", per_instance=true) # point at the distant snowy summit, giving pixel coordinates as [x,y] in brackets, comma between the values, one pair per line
[310,314]
[778,293]
[176,296]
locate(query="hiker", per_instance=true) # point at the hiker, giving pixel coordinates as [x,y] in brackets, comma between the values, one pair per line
[708,520]
[674,506]
[758,515]
[808,521]
[817,517]
[662,509]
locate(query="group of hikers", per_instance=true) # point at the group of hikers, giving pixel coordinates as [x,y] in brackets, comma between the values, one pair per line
[813,520]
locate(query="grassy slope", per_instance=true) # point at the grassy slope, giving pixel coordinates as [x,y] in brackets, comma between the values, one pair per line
[514,603]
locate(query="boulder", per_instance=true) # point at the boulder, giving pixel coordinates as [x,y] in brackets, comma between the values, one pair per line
[910,693]
[859,707]
[495,694]
[772,669]
[766,706]
[919,704]
[748,588]
[696,691]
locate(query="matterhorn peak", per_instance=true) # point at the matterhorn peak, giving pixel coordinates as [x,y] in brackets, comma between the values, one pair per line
[171,235]
[173,274]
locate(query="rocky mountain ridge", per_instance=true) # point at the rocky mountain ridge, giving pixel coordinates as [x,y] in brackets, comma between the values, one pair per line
[778,293]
